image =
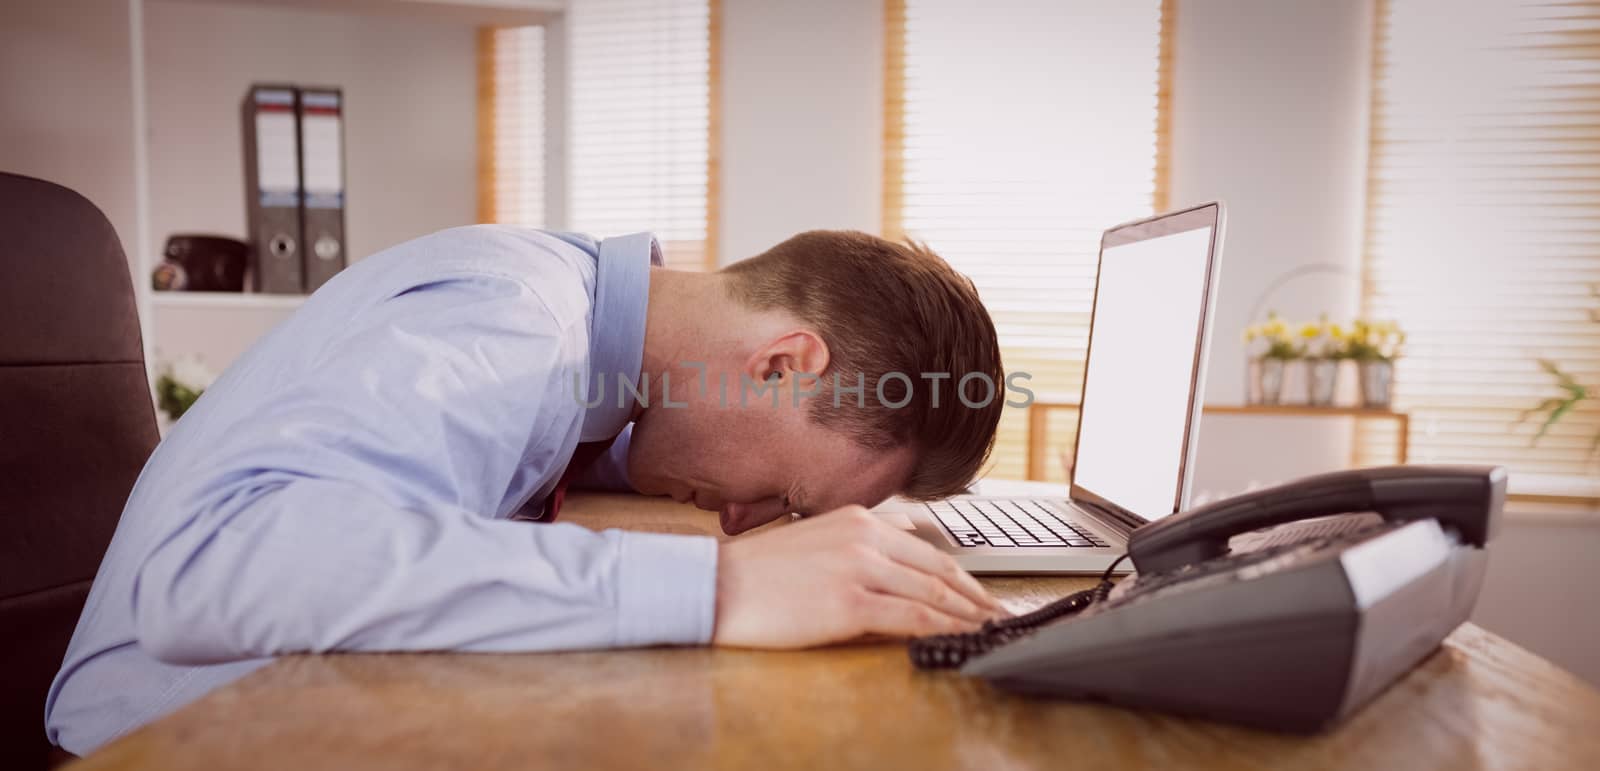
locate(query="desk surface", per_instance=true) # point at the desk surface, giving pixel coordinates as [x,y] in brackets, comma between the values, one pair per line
[1480,702]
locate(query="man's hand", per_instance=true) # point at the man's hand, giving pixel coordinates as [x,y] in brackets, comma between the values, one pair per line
[839,576]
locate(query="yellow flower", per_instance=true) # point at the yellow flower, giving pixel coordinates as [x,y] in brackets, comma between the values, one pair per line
[1336,331]
[1310,331]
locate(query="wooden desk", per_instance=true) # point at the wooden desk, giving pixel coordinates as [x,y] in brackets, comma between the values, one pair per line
[1039,417]
[1478,703]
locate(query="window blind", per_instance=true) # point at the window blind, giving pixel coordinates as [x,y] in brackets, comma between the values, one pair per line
[1015,133]
[1483,236]
[640,123]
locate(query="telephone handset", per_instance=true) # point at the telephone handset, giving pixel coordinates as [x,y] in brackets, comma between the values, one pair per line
[1466,499]
[1241,611]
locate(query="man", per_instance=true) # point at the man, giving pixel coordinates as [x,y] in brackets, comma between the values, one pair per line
[355,481]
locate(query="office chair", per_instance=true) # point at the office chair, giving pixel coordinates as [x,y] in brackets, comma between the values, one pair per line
[76,426]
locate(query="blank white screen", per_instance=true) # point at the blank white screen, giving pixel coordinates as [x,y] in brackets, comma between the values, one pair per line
[1140,372]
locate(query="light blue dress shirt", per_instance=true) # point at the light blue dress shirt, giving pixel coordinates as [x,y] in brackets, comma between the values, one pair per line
[350,485]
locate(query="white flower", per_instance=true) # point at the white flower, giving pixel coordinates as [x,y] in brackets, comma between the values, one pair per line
[192,373]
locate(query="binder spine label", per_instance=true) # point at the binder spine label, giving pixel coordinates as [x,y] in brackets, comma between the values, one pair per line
[322,150]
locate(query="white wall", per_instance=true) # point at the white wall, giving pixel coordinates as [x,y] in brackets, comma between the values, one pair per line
[66,106]
[1269,113]
[1541,587]
[802,120]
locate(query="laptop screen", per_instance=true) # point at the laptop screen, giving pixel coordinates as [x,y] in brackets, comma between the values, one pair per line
[1140,379]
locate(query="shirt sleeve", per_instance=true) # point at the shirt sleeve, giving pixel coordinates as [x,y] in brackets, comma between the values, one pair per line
[349,512]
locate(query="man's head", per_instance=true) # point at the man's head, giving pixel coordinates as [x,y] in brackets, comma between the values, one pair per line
[909,393]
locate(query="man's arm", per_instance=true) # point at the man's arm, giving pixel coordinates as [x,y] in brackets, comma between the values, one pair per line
[349,513]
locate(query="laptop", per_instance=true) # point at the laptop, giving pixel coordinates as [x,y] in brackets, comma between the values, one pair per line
[1144,381]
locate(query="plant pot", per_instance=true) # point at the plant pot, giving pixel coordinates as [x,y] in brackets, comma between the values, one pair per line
[1322,379]
[1377,383]
[1269,380]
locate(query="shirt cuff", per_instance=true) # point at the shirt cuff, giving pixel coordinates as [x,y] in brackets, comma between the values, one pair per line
[666,589]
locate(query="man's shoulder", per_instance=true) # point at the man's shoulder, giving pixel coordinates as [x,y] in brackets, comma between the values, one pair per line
[519,253]
[557,268]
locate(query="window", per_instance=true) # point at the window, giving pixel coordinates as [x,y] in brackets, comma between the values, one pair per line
[1015,133]
[638,121]
[1483,236]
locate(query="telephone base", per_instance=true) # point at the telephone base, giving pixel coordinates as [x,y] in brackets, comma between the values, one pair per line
[1295,637]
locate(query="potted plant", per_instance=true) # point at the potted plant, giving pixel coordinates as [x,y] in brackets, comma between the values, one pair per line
[1322,344]
[180,384]
[1277,347]
[1573,392]
[1374,346]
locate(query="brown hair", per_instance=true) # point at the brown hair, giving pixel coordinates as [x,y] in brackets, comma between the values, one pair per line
[884,307]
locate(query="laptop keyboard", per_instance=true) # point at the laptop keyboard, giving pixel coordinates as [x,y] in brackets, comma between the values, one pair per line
[1010,523]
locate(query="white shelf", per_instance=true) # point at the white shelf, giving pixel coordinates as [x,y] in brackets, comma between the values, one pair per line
[226,300]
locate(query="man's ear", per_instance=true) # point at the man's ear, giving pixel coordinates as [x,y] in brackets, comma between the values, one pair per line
[787,356]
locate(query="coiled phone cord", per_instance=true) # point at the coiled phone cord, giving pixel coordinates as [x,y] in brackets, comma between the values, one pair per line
[950,651]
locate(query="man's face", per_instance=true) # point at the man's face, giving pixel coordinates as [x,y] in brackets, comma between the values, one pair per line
[754,462]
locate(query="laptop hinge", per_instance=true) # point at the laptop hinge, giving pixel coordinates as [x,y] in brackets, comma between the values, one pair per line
[1108,516]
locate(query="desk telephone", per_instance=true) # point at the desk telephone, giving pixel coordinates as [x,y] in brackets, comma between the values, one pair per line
[1241,610]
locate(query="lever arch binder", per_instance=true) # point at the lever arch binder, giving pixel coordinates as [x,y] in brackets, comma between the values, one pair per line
[272,188]
[322,153]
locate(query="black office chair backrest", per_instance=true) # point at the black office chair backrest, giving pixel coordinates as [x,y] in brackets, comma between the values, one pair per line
[76,426]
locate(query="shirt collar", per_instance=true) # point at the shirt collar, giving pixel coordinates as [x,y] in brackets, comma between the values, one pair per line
[616,339]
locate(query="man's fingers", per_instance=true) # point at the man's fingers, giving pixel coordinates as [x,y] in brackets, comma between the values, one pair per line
[893,578]
[899,617]
[909,550]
